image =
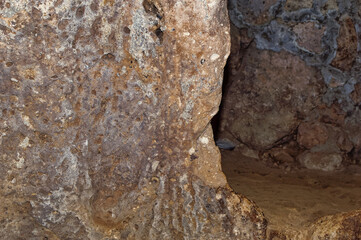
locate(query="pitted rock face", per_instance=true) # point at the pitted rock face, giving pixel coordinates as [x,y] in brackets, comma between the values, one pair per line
[105,110]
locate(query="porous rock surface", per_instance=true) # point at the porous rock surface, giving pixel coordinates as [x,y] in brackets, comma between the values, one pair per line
[105,110]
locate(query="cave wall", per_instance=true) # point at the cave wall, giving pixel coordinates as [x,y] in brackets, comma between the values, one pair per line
[292,92]
[105,111]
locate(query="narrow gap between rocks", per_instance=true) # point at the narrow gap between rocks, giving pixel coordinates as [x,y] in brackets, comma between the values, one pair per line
[288,125]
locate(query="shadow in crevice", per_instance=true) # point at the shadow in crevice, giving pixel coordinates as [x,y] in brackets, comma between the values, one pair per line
[217,119]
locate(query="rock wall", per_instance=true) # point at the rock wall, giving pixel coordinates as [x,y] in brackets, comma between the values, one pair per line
[293,87]
[105,111]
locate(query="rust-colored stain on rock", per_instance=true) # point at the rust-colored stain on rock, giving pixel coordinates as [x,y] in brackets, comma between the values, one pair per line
[103,104]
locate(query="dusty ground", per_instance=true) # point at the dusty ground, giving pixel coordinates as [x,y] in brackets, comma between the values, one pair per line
[294,198]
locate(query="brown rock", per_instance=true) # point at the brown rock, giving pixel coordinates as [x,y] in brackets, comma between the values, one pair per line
[344,143]
[105,112]
[356,94]
[239,42]
[352,129]
[320,160]
[311,134]
[333,114]
[343,226]
[267,98]
[281,155]
[309,36]
[346,45]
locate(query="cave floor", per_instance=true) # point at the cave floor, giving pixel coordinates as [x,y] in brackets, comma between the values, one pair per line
[292,199]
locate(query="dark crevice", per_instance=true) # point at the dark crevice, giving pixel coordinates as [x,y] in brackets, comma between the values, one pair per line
[216,120]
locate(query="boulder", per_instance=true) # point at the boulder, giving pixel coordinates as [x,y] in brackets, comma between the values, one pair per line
[105,109]
[268,96]
[320,160]
[312,134]
[341,226]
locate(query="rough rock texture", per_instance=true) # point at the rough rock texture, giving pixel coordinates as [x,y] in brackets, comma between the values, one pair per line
[311,134]
[342,226]
[320,160]
[105,111]
[267,95]
[347,45]
[294,77]
[309,36]
[293,91]
[259,13]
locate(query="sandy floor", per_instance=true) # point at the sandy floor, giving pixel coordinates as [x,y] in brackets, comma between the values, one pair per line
[293,199]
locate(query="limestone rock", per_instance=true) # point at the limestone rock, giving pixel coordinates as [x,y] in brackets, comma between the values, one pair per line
[352,128]
[309,36]
[303,40]
[239,42]
[347,45]
[105,111]
[332,115]
[326,143]
[341,226]
[344,143]
[281,155]
[267,96]
[311,134]
[356,94]
[255,12]
[320,160]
